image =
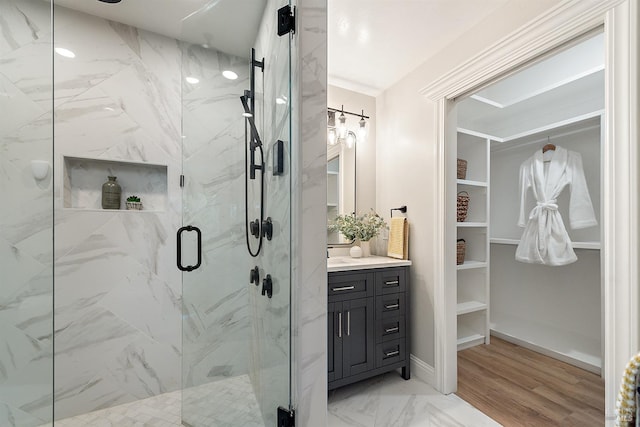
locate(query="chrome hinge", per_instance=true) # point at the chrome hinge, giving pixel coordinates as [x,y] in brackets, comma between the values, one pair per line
[286,20]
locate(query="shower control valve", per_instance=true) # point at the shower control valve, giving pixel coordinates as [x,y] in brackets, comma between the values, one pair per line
[254,226]
[254,275]
[267,286]
[267,228]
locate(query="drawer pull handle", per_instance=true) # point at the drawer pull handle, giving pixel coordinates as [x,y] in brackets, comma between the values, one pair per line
[391,306]
[390,330]
[391,353]
[392,283]
[344,288]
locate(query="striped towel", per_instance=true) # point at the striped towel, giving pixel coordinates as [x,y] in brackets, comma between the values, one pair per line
[627,405]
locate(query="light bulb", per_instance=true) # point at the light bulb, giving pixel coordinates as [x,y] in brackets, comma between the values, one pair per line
[342,126]
[65,52]
[362,130]
[228,74]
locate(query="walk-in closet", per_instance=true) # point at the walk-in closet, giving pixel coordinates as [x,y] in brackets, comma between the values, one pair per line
[529,149]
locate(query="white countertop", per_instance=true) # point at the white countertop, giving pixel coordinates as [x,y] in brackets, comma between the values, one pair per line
[346,263]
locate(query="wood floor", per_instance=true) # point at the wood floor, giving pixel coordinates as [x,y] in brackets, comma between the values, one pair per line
[519,387]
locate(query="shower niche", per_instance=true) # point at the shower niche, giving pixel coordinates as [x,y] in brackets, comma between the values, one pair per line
[83,179]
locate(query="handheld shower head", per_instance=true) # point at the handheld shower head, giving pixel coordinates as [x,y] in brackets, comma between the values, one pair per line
[248,114]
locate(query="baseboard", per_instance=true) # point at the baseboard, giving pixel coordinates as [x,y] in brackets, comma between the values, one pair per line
[547,352]
[422,370]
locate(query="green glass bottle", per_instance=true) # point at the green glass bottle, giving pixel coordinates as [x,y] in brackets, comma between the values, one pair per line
[111,193]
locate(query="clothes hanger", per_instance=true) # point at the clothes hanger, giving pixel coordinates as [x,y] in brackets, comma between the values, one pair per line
[549,146]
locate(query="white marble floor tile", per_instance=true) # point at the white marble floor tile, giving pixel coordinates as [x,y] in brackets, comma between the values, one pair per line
[384,401]
[226,403]
[390,401]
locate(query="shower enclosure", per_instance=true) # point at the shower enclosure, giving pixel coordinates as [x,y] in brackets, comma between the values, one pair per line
[94,310]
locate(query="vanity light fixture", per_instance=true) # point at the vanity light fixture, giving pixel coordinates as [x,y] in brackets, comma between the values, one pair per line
[340,133]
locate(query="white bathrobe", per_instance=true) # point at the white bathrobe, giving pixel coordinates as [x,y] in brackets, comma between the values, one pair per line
[545,239]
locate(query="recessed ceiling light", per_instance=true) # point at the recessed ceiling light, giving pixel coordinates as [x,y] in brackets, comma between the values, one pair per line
[65,52]
[229,75]
[192,80]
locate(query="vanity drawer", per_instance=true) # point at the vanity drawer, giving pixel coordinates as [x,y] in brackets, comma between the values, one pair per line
[391,280]
[350,285]
[389,306]
[390,329]
[390,352]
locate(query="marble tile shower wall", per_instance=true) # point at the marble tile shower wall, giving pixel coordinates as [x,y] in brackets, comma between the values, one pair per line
[26,228]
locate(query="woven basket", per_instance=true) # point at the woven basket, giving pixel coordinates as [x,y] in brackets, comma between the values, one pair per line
[461,245]
[462,169]
[463,206]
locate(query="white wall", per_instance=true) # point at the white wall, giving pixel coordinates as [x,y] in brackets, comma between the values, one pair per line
[406,156]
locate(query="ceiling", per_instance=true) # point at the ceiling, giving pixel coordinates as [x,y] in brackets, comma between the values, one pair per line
[230,26]
[374,43]
[561,88]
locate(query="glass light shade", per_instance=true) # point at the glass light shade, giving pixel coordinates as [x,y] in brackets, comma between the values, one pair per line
[362,130]
[332,138]
[342,126]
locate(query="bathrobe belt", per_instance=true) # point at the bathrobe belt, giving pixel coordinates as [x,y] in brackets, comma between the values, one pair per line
[541,211]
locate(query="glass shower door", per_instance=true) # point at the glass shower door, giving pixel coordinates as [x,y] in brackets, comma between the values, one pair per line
[236,333]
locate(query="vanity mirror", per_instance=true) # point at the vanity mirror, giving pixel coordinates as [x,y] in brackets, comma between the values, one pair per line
[342,142]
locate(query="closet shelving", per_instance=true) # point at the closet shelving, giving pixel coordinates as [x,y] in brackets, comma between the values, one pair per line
[472,276]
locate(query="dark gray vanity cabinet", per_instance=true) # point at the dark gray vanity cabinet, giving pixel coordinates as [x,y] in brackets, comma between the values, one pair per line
[368,327]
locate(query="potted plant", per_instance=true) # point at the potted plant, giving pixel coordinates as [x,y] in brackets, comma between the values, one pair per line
[134,203]
[363,228]
[369,226]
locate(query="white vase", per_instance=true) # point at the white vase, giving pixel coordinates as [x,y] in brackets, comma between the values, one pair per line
[355,252]
[366,249]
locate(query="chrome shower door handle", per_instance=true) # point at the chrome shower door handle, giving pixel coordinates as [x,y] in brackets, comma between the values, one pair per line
[179,248]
